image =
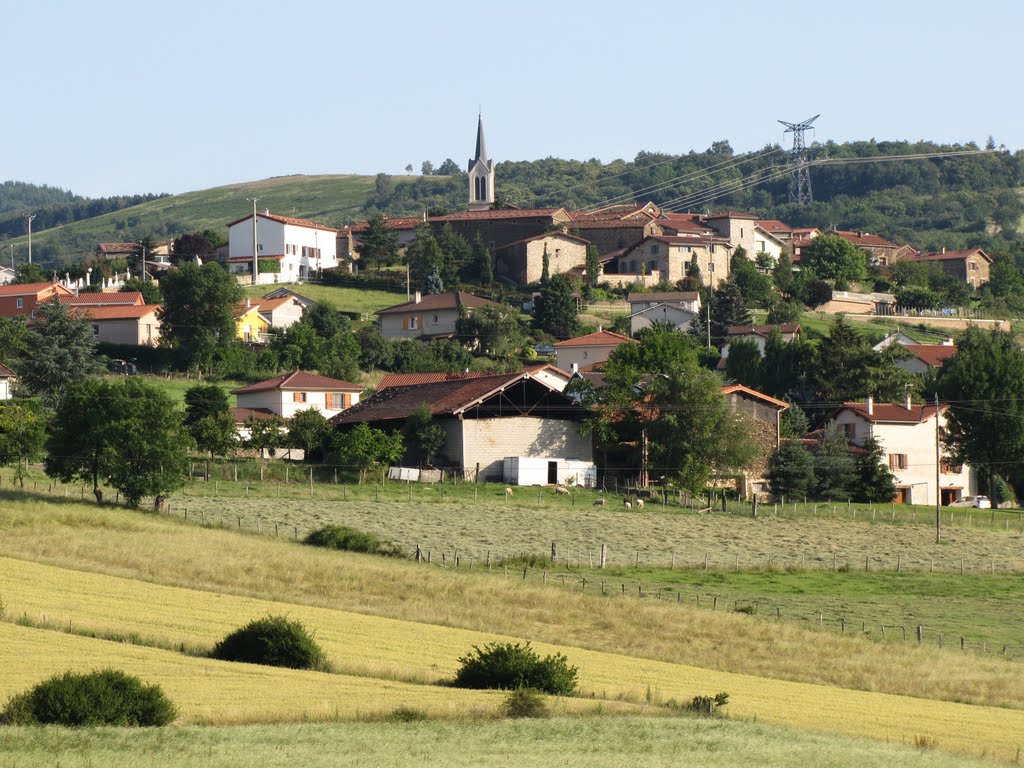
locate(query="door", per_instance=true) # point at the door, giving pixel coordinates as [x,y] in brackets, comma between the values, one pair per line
[949,495]
[553,473]
[902,496]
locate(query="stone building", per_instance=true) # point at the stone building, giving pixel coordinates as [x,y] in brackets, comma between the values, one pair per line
[523,260]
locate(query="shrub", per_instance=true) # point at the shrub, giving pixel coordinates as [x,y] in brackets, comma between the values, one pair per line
[106,697]
[525,702]
[708,705]
[274,641]
[406,715]
[351,540]
[508,666]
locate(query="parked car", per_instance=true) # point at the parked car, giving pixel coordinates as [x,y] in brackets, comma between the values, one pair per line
[123,366]
[978,502]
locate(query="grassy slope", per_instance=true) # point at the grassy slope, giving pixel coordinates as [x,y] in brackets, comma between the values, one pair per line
[160,550]
[176,386]
[384,648]
[329,199]
[603,743]
[346,299]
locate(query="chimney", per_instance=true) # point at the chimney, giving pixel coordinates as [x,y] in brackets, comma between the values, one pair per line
[266,211]
[871,405]
[906,402]
[943,249]
[574,368]
[417,297]
[948,341]
[600,329]
[248,303]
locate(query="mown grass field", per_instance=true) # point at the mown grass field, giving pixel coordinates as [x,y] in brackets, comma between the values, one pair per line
[161,550]
[475,520]
[346,299]
[177,386]
[382,649]
[573,743]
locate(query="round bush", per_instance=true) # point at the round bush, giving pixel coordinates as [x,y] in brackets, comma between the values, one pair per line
[351,540]
[508,666]
[274,641]
[106,697]
[525,702]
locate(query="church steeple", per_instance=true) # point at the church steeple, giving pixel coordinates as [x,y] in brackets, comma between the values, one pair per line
[481,174]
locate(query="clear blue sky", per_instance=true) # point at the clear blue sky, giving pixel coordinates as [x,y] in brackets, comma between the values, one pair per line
[111,97]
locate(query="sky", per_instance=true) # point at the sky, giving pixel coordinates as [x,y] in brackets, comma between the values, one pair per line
[110,97]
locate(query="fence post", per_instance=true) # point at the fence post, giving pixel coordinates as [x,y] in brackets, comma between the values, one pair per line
[554,552]
[604,557]
[919,634]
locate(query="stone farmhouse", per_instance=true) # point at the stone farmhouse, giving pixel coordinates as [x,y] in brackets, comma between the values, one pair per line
[486,421]
[907,433]
[523,260]
[972,266]
[664,257]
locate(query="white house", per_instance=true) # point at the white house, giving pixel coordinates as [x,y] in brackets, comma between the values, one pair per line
[759,335]
[766,242]
[593,348]
[302,248]
[7,378]
[298,391]
[677,308]
[907,434]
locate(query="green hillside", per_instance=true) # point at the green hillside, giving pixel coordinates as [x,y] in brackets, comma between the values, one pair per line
[331,199]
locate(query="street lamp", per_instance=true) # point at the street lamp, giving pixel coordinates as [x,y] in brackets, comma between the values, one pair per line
[29,218]
[255,249]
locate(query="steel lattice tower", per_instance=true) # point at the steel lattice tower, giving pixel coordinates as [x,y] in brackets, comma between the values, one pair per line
[800,178]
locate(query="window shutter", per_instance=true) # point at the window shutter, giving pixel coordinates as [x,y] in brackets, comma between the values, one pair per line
[296,397]
[346,400]
[329,397]
[405,323]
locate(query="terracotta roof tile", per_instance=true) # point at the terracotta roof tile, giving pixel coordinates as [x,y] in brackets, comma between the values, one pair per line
[31,289]
[762,330]
[416,379]
[609,223]
[934,355]
[504,213]
[397,223]
[948,255]
[863,239]
[894,412]
[601,338]
[774,226]
[635,298]
[242,415]
[115,311]
[103,299]
[740,389]
[732,215]
[581,240]
[5,372]
[285,220]
[433,301]
[298,380]
[117,247]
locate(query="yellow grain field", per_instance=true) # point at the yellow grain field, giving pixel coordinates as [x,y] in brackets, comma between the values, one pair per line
[390,648]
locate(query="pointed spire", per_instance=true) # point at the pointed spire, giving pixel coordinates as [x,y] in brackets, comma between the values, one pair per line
[481,149]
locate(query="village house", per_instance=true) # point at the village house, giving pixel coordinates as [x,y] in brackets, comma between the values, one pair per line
[972,266]
[496,427]
[764,413]
[737,228]
[136,325]
[113,251]
[767,244]
[907,433]
[300,248]
[7,275]
[927,357]
[588,350]
[879,250]
[113,299]
[546,373]
[283,292]
[759,335]
[430,316]
[351,237]
[23,300]
[523,260]
[7,379]
[676,308]
[250,325]
[286,395]
[500,227]
[777,229]
[280,312]
[610,233]
[667,258]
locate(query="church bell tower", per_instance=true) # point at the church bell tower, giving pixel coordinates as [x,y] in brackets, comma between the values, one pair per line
[481,175]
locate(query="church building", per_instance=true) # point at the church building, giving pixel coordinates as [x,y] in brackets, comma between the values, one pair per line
[481,174]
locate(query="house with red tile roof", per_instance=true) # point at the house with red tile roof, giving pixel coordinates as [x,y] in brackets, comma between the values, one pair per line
[973,266]
[676,308]
[113,299]
[494,426]
[523,260]
[136,325]
[281,311]
[290,393]
[549,374]
[926,357]
[300,248]
[665,257]
[111,251]
[21,300]
[759,335]
[573,354]
[428,316]
[613,233]
[907,433]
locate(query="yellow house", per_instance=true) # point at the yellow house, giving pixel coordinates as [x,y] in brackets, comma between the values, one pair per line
[249,324]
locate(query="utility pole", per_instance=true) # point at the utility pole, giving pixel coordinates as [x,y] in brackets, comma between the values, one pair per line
[12,255]
[938,491]
[709,324]
[29,218]
[143,262]
[800,178]
[255,248]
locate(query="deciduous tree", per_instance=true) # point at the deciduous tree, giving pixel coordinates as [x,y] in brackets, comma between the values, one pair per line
[62,352]
[197,315]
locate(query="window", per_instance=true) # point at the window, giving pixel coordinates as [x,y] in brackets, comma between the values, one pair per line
[711,266]
[95,329]
[741,233]
[411,323]
[21,303]
[434,319]
[654,249]
[298,397]
[585,354]
[949,468]
[897,461]
[850,430]
[972,265]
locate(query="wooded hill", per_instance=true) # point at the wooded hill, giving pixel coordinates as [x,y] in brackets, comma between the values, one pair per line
[953,202]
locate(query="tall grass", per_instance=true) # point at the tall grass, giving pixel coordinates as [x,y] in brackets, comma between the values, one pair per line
[510,744]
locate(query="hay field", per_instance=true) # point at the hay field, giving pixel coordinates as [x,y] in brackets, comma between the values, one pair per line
[573,743]
[154,549]
[388,648]
[531,523]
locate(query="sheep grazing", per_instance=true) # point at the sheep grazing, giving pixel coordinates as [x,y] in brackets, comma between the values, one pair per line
[508,491]
[599,503]
[639,503]
[561,491]
[629,504]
